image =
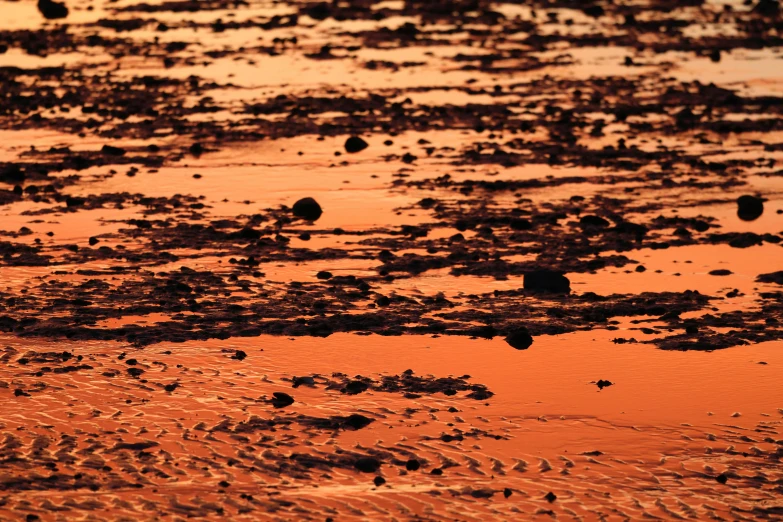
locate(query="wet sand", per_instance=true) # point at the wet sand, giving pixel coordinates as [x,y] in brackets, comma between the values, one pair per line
[538,276]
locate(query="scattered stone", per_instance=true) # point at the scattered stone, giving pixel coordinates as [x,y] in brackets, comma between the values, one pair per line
[550,497]
[412,465]
[603,384]
[355,144]
[52,10]
[547,281]
[722,478]
[308,209]
[281,400]
[750,208]
[520,339]
[721,272]
[367,464]
[379,481]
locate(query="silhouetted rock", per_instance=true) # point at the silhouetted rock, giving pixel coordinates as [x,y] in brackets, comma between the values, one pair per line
[721,272]
[367,464]
[113,151]
[520,339]
[379,481]
[767,7]
[547,281]
[355,387]
[355,144]
[550,497]
[239,355]
[602,383]
[52,10]
[722,478]
[412,465]
[356,421]
[749,208]
[593,221]
[323,275]
[281,400]
[774,277]
[307,208]
[507,492]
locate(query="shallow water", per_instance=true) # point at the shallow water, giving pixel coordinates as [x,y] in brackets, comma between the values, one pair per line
[157,294]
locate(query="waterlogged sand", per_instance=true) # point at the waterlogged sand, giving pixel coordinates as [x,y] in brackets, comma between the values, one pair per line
[179,342]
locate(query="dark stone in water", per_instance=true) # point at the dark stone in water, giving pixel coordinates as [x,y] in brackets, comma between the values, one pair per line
[722,478]
[307,208]
[550,497]
[379,481]
[367,464]
[357,422]
[239,355]
[721,272]
[355,144]
[593,221]
[749,208]
[412,465]
[281,400]
[52,10]
[113,151]
[520,339]
[774,277]
[355,387]
[603,384]
[547,281]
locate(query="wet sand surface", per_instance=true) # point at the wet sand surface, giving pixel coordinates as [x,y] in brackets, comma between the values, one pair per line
[401,260]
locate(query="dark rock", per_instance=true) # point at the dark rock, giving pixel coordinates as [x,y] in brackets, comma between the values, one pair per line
[171,387]
[299,381]
[355,387]
[281,400]
[767,8]
[774,277]
[355,144]
[547,281]
[520,339]
[721,272]
[379,481]
[593,221]
[52,10]
[749,208]
[482,493]
[722,478]
[640,269]
[412,465]
[437,472]
[507,492]
[112,151]
[239,355]
[323,275]
[307,208]
[603,384]
[367,464]
[357,422]
[550,497]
